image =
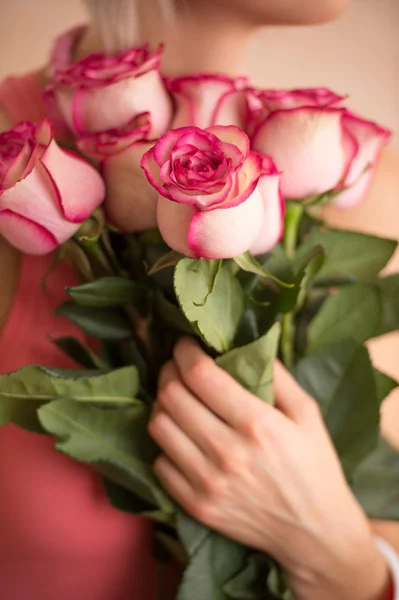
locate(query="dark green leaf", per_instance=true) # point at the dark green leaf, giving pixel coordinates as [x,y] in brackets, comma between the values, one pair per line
[249,264]
[251,582]
[389,291]
[80,353]
[215,561]
[341,378]
[252,365]
[24,391]
[114,441]
[171,315]
[385,385]
[106,324]
[352,312]
[349,254]
[212,300]
[107,292]
[167,260]
[376,483]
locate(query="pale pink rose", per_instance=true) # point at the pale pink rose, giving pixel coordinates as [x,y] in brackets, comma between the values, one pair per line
[131,202]
[45,192]
[317,144]
[217,198]
[104,92]
[204,100]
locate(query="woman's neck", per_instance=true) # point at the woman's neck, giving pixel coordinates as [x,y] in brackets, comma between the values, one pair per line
[198,40]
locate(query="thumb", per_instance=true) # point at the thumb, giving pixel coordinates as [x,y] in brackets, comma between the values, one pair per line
[291,399]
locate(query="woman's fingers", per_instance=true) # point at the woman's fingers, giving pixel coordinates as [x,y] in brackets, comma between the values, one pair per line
[196,421]
[217,390]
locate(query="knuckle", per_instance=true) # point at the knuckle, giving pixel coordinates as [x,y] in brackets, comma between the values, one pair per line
[256,429]
[311,409]
[157,424]
[168,395]
[203,511]
[215,487]
[234,461]
[197,371]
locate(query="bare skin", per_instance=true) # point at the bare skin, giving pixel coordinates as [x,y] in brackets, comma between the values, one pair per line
[221,29]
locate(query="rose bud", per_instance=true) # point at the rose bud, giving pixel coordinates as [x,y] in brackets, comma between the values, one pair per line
[318,145]
[104,92]
[204,100]
[217,198]
[131,202]
[45,192]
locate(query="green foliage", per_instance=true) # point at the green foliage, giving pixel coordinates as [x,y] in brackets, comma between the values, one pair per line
[211,299]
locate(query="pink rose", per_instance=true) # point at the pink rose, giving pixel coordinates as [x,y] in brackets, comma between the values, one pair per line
[104,92]
[217,198]
[131,202]
[204,100]
[317,144]
[45,192]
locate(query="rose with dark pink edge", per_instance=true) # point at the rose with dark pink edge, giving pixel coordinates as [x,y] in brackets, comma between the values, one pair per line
[45,192]
[204,100]
[217,198]
[104,92]
[317,144]
[131,202]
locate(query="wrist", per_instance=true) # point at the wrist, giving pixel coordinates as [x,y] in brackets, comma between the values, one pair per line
[362,575]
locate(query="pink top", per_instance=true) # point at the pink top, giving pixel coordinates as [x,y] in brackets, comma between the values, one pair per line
[59,536]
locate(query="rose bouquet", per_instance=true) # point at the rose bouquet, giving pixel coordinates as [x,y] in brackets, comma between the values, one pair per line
[206,221]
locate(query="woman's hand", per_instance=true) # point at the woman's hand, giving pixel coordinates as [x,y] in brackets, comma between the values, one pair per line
[267,477]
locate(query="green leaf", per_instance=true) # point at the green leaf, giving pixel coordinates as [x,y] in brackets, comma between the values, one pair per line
[114,441]
[252,365]
[352,312]
[171,315]
[341,378]
[251,582]
[106,324]
[376,483]
[215,561]
[349,254]
[389,291]
[385,385]
[107,292]
[249,264]
[167,260]
[80,353]
[24,391]
[212,300]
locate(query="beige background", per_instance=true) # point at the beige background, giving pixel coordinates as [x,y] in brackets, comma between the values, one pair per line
[358,55]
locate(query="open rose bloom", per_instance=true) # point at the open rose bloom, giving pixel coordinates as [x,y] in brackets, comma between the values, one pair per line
[217,198]
[317,144]
[131,202]
[45,192]
[104,92]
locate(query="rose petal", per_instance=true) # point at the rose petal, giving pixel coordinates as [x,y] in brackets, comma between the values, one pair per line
[35,199]
[231,135]
[247,178]
[174,223]
[272,228]
[101,108]
[232,109]
[308,146]
[165,145]
[370,139]
[26,235]
[153,172]
[226,233]
[202,200]
[198,98]
[131,202]
[79,187]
